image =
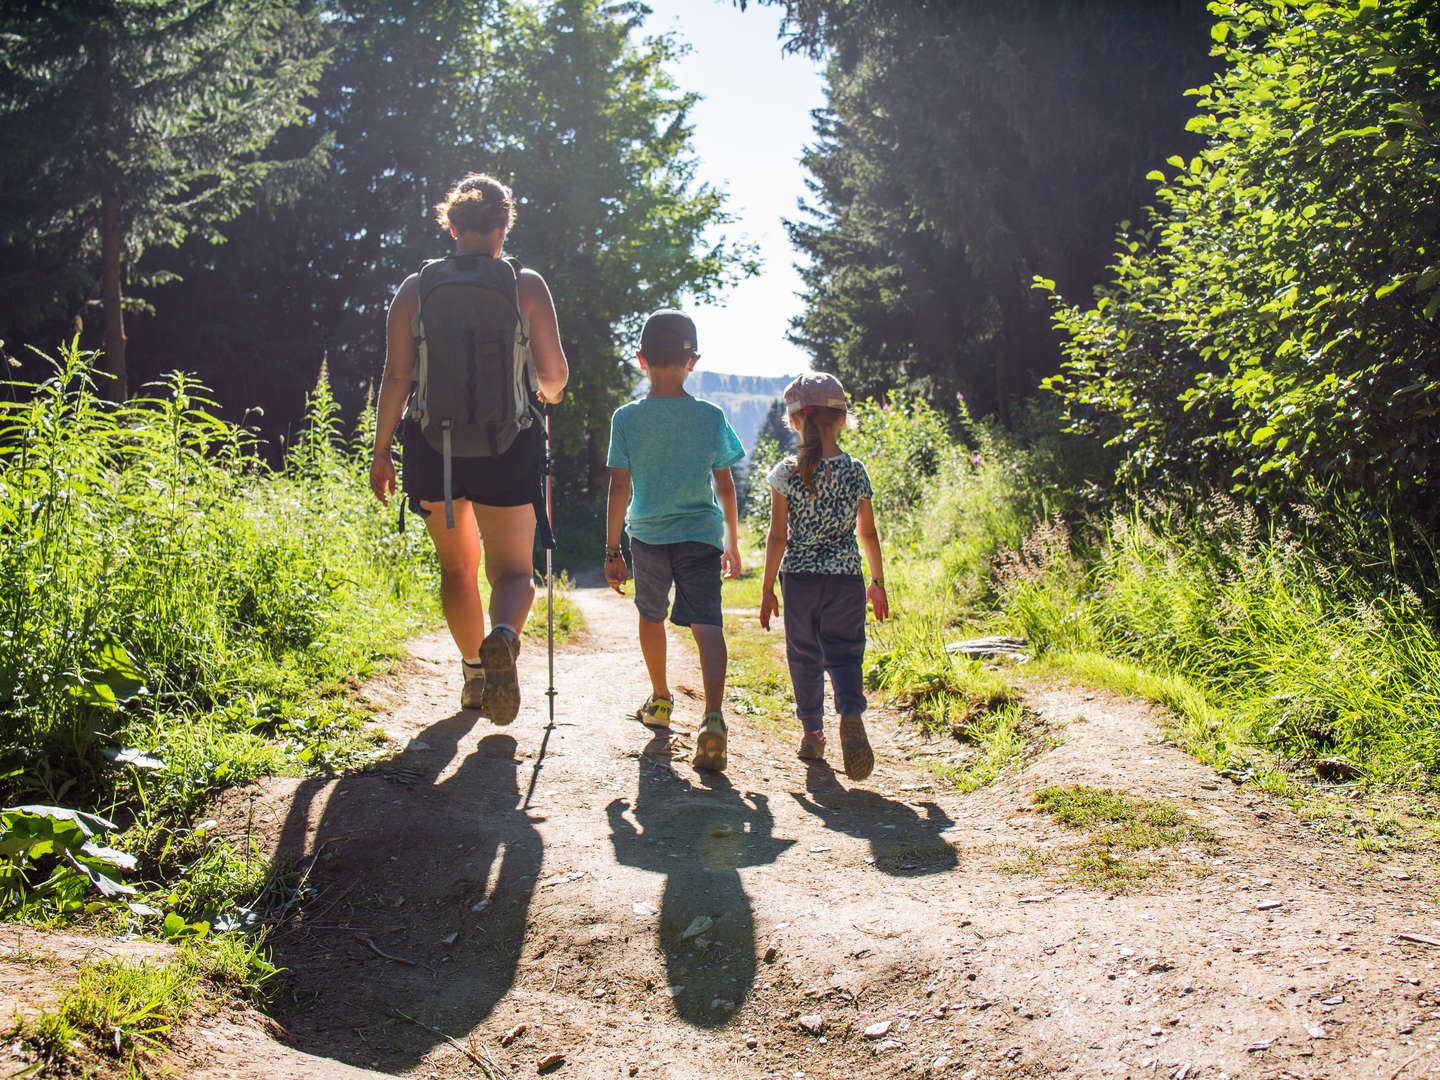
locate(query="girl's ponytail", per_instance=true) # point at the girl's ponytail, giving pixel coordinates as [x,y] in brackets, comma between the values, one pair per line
[813,420]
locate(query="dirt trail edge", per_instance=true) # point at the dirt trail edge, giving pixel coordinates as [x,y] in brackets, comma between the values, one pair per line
[613,913]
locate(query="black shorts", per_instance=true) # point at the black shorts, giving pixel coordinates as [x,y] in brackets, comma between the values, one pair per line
[512,479]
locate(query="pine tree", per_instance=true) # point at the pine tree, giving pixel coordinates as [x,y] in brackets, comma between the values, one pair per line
[131,123]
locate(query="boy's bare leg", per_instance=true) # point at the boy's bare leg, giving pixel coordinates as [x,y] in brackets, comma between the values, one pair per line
[652,647]
[710,641]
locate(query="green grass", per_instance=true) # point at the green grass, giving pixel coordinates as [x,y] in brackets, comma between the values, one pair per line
[118,1010]
[168,597]
[1127,834]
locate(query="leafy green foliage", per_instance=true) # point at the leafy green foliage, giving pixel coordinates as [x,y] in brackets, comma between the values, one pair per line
[902,441]
[165,598]
[50,854]
[1273,330]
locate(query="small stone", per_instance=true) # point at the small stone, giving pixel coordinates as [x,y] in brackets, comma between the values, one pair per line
[644,908]
[812,1023]
[751,1042]
[698,926]
[878,1030]
[1338,999]
[549,1061]
[672,991]
[771,952]
[449,939]
[513,1034]
[1269,905]
[632,1069]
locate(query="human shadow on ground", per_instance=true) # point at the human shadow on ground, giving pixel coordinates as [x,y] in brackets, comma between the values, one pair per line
[425,885]
[698,837]
[902,843]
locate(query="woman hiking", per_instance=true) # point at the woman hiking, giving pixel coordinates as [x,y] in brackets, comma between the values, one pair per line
[492,499]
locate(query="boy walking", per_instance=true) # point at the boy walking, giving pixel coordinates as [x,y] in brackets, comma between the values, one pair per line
[671,489]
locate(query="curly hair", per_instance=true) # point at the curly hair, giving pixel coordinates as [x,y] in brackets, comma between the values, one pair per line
[478,203]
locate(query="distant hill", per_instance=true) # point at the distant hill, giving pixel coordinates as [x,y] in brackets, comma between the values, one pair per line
[744,398]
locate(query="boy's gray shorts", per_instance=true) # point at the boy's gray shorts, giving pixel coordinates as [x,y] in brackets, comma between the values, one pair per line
[694,568]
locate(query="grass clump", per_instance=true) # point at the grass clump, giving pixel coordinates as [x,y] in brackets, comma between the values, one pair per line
[117,1010]
[1122,827]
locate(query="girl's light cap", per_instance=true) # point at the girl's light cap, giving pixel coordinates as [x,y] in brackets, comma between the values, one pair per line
[815,388]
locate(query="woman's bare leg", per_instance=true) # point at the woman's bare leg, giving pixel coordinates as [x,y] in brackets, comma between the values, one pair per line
[509,541]
[459,552]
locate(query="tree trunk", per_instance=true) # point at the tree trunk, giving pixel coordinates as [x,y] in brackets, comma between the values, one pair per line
[110,290]
[111,257]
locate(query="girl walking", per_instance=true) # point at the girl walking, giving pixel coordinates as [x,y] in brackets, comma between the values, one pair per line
[818,499]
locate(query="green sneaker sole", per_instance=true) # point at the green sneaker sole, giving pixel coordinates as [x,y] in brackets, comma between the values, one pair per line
[710,750]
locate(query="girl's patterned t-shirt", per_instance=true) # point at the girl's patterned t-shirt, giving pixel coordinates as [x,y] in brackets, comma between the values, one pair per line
[820,525]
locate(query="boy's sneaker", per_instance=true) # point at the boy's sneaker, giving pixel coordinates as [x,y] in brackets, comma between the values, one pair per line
[656,712]
[812,747]
[472,694]
[502,685]
[710,743]
[855,748]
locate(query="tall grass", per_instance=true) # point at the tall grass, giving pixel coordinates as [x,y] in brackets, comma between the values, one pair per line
[1301,641]
[1297,651]
[163,591]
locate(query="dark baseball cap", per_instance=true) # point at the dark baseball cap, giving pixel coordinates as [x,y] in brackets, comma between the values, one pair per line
[668,332]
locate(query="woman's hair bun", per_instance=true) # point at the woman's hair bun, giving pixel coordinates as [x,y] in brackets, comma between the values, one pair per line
[478,203]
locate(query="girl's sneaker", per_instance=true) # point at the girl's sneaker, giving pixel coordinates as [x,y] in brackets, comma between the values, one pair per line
[855,747]
[710,743]
[812,747]
[656,712]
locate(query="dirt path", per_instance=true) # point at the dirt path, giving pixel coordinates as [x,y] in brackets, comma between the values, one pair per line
[640,919]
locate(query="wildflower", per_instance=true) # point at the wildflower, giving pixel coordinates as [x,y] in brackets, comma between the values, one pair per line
[975,460]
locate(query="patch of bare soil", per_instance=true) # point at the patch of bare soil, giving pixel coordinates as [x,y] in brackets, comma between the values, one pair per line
[498,898]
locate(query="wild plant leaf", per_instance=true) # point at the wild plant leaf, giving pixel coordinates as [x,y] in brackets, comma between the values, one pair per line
[110,676]
[89,824]
[134,756]
[121,860]
[94,870]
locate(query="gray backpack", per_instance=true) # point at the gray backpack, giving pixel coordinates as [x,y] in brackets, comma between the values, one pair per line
[475,384]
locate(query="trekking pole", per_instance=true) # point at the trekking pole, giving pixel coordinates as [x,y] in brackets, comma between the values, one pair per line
[549,617]
[549,573]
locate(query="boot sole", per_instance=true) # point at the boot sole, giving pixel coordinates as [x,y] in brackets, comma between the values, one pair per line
[710,751]
[502,686]
[855,748]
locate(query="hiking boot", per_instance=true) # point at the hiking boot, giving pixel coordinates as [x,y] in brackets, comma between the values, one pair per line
[502,685]
[855,748]
[710,743]
[812,747]
[472,694]
[655,712]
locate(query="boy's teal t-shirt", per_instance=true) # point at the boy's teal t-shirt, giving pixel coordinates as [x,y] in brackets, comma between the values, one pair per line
[671,446]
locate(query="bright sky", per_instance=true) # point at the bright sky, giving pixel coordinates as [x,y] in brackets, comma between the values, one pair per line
[750,130]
